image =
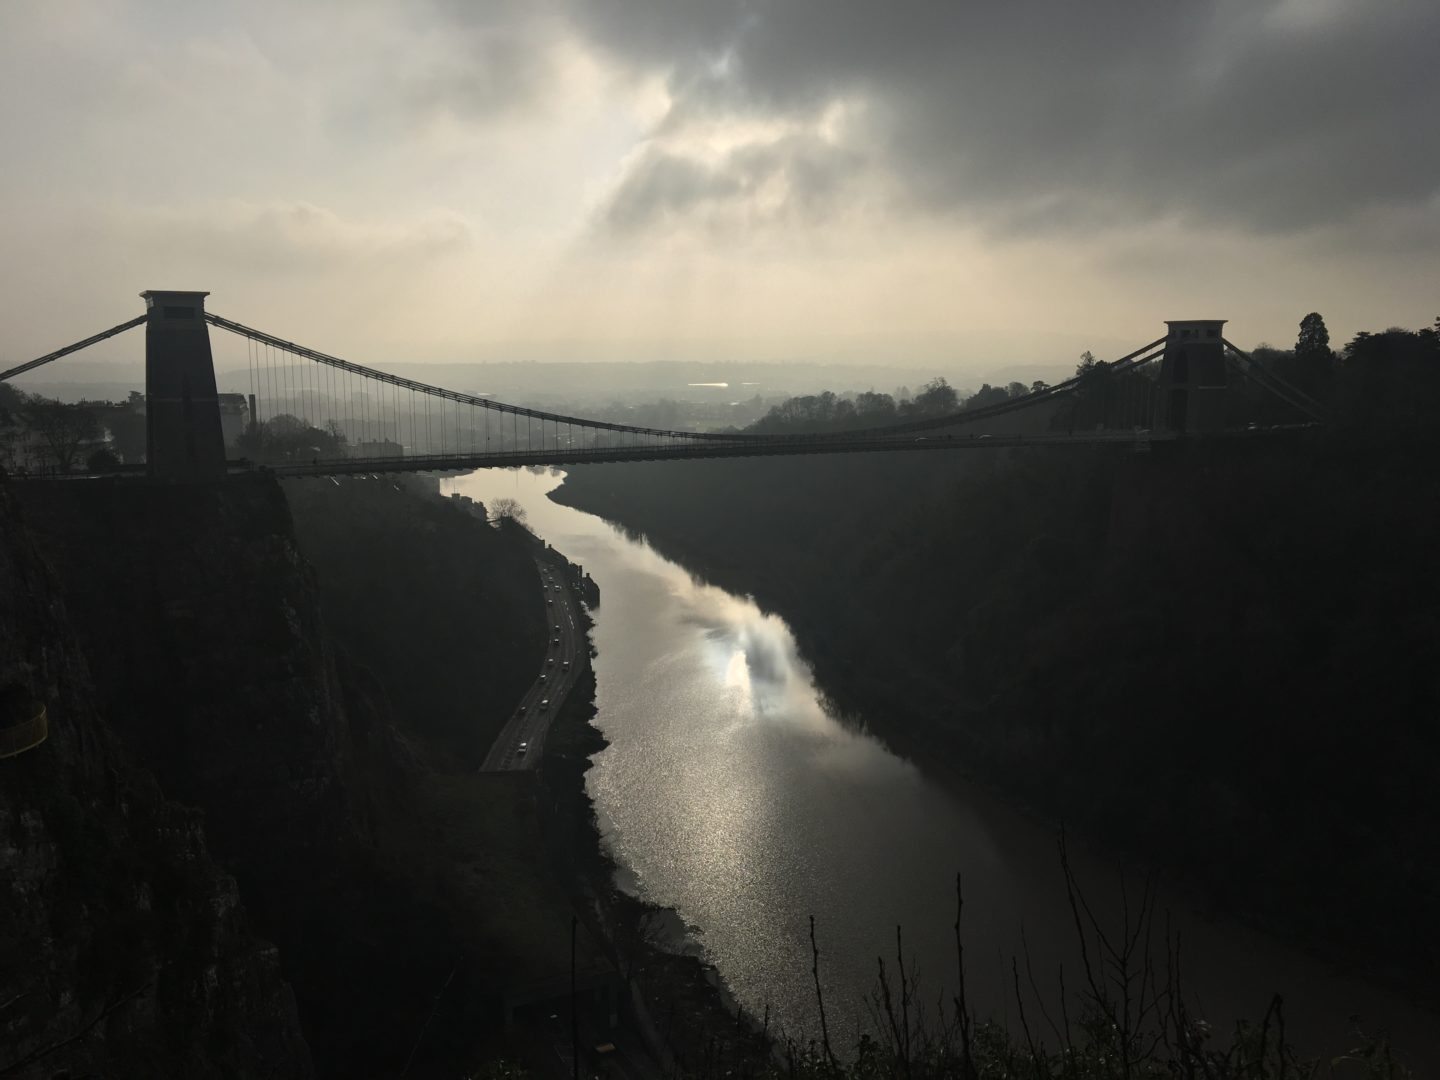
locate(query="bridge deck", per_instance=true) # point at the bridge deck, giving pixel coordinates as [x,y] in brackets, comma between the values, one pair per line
[781,446]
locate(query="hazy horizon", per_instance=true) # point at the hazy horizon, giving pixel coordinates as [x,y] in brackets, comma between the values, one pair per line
[586,383]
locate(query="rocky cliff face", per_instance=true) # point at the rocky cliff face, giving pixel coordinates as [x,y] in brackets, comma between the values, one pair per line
[202,623]
[204,633]
[203,627]
[124,950]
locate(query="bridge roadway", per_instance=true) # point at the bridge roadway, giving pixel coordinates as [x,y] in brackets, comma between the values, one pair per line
[566,643]
[749,446]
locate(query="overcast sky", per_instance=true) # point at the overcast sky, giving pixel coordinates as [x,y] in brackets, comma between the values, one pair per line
[969,183]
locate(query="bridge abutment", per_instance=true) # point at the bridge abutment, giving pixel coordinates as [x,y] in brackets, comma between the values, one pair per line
[183,433]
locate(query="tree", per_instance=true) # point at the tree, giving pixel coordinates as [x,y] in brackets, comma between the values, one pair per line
[289,438]
[12,403]
[507,510]
[101,460]
[987,395]
[1089,405]
[12,407]
[1391,380]
[1314,362]
[875,408]
[63,428]
[126,428]
[937,399]
[1314,338]
[9,443]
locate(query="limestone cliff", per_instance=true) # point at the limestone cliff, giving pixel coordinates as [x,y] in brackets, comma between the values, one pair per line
[202,621]
[124,950]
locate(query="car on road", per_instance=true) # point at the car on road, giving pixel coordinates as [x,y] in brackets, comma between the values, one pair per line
[544,703]
[550,602]
[549,662]
[542,679]
[521,712]
[556,641]
[522,748]
[565,666]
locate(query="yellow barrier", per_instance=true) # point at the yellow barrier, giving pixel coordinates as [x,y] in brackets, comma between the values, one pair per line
[26,735]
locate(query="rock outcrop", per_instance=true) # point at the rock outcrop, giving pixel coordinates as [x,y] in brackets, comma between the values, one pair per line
[124,949]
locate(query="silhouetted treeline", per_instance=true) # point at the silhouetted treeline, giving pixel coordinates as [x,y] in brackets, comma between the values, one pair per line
[828,411]
[1388,378]
[287,438]
[1218,655]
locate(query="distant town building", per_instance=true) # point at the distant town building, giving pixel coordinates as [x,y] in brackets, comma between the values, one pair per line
[22,450]
[465,503]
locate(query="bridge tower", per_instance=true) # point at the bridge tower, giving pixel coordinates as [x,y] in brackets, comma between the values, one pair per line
[183,439]
[1192,377]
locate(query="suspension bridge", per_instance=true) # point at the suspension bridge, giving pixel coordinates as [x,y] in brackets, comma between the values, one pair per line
[305,412]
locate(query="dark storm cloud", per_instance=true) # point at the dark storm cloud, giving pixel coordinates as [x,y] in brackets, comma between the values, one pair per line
[663,184]
[1267,115]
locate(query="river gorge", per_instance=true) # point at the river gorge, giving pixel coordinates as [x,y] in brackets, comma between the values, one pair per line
[731,793]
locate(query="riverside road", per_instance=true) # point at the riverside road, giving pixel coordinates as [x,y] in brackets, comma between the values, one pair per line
[521,741]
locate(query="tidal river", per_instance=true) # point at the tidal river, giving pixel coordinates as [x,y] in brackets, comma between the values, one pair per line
[729,793]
